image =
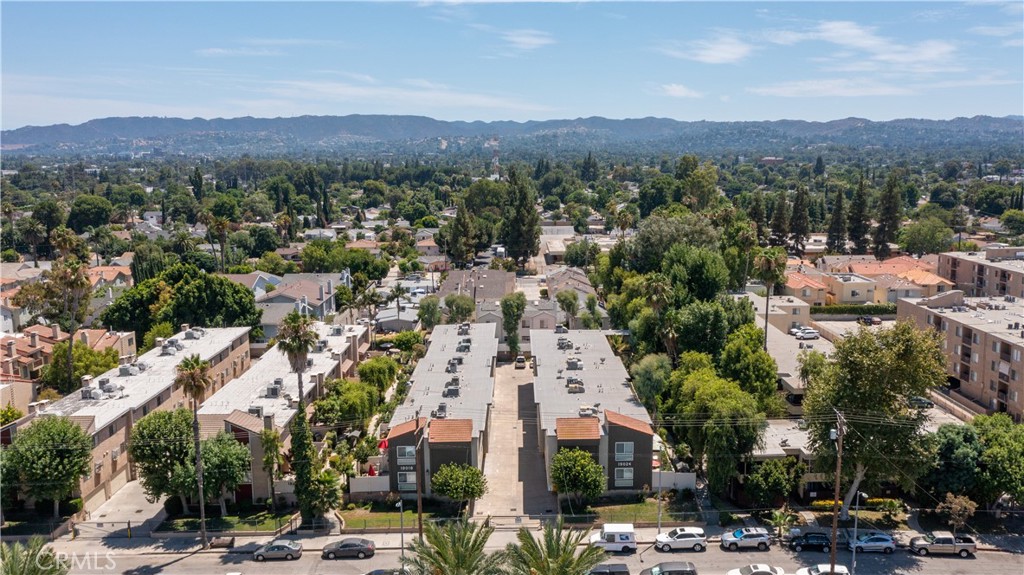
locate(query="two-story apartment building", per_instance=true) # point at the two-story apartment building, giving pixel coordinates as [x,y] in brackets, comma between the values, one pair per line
[449,403]
[849,288]
[108,406]
[584,399]
[983,339]
[267,396]
[808,288]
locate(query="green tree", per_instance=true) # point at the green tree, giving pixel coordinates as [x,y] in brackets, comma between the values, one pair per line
[89,211]
[10,414]
[782,519]
[569,302]
[958,509]
[770,269]
[459,237]
[757,214]
[429,313]
[700,186]
[296,339]
[725,425]
[575,473]
[454,548]
[272,461]
[1012,220]
[32,232]
[582,253]
[875,372]
[149,260]
[33,557]
[50,457]
[1002,456]
[780,220]
[513,306]
[558,551]
[650,376]
[773,479]
[955,465]
[161,330]
[460,307]
[193,377]
[701,272]
[858,222]
[324,493]
[347,404]
[86,362]
[226,464]
[836,241]
[799,221]
[929,236]
[460,482]
[159,443]
[745,361]
[406,340]
[520,228]
[890,215]
[379,372]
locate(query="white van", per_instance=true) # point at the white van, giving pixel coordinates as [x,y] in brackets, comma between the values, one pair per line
[615,537]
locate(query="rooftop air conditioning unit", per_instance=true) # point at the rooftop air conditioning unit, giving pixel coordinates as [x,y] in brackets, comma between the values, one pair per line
[189,334]
[256,410]
[124,370]
[279,381]
[104,381]
[309,362]
[273,391]
[337,330]
[142,366]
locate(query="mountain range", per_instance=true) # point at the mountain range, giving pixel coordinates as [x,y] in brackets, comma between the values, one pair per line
[418,134]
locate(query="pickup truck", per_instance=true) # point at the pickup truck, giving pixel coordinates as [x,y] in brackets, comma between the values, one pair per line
[943,542]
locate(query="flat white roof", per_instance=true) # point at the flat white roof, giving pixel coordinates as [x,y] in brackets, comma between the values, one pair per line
[158,376]
[250,389]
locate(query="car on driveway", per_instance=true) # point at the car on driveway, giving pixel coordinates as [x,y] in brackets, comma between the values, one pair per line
[520,362]
[349,547]
[823,569]
[808,333]
[682,538]
[747,538]
[920,402]
[873,542]
[809,541]
[757,569]
[796,329]
[279,549]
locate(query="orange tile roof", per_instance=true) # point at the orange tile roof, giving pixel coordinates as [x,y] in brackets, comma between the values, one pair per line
[615,418]
[451,431]
[924,277]
[574,428]
[405,427]
[108,273]
[798,280]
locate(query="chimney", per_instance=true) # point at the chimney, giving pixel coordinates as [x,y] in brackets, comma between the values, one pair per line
[110,293]
[34,339]
[84,336]
[330,286]
[185,326]
[86,381]
[298,306]
[55,330]
[321,293]
[268,422]
[10,347]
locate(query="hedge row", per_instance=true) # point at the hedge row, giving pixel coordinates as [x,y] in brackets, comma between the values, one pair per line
[853,309]
[826,504]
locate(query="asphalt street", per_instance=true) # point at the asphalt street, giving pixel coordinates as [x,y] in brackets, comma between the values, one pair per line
[714,561]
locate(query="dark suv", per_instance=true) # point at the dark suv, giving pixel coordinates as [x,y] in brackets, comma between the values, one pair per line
[817,541]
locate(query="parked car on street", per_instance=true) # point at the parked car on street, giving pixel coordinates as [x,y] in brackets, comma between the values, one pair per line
[747,538]
[682,538]
[279,549]
[873,542]
[396,571]
[671,568]
[610,569]
[920,402]
[809,541]
[823,569]
[943,543]
[349,547]
[757,569]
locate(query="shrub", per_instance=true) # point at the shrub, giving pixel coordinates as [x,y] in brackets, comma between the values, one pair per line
[726,519]
[71,506]
[173,506]
[853,309]
[688,494]
[823,504]
[351,507]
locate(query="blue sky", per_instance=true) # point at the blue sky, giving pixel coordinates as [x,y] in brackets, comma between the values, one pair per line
[72,62]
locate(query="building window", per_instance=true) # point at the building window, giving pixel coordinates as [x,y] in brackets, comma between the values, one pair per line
[991,385]
[796,311]
[624,451]
[807,292]
[623,477]
[1013,396]
[995,346]
[959,331]
[112,430]
[974,376]
[1016,355]
[406,481]
[543,325]
[406,455]
[975,357]
[854,293]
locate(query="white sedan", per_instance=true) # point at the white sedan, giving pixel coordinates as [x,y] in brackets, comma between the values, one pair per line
[823,569]
[758,569]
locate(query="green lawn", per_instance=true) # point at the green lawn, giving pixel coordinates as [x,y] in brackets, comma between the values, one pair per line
[252,521]
[361,518]
[645,512]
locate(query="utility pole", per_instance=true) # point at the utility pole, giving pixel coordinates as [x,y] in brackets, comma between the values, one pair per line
[419,476]
[660,470]
[837,436]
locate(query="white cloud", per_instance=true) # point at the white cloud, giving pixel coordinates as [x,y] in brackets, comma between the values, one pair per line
[1008,30]
[217,52]
[680,91]
[525,40]
[835,87]
[291,42]
[725,48]
[1016,43]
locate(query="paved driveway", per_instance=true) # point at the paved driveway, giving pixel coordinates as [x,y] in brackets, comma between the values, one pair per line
[514,466]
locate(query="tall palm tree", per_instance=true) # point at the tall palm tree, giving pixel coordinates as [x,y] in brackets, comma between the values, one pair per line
[33,233]
[770,268]
[557,552]
[454,549]
[64,240]
[70,278]
[270,441]
[194,379]
[296,339]
[220,227]
[398,293]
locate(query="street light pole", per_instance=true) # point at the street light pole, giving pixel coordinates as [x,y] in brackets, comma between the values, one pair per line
[660,471]
[401,522]
[836,435]
[856,516]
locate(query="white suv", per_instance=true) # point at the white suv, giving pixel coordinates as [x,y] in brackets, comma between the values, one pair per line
[747,538]
[808,333]
[682,538]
